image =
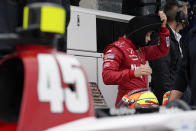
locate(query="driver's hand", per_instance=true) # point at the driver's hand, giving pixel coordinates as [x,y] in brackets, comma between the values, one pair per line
[143,70]
[163,18]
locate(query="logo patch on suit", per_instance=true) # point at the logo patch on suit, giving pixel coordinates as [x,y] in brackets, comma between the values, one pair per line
[167,41]
[109,56]
[106,65]
[109,51]
[130,50]
[120,44]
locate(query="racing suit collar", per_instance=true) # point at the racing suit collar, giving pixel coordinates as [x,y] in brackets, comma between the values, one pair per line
[129,42]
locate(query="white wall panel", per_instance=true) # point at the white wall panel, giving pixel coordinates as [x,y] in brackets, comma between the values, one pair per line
[82,32]
[90,66]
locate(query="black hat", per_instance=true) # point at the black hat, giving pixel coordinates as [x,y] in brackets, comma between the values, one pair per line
[139,26]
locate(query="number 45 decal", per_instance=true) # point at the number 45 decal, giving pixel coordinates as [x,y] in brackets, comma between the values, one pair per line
[50,88]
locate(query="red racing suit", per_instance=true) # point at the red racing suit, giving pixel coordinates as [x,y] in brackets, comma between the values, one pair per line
[121,58]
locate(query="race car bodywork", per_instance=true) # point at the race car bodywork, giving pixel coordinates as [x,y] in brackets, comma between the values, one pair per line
[54,88]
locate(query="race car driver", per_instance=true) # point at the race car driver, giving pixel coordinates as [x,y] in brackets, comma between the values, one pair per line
[125,60]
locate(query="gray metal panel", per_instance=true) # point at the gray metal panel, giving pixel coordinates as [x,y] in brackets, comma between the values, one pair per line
[110,5]
[90,4]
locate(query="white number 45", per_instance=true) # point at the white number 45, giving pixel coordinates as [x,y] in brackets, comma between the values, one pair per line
[50,87]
